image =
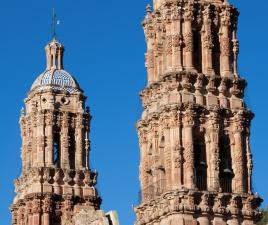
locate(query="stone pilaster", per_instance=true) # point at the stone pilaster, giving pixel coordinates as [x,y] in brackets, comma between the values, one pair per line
[47,209]
[225,42]
[176,154]
[177,39]
[188,154]
[207,41]
[40,140]
[188,37]
[79,142]
[49,154]
[239,154]
[168,44]
[64,142]
[214,150]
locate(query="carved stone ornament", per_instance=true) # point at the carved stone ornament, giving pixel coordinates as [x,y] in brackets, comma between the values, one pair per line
[188,14]
[90,217]
[208,41]
[169,45]
[150,59]
[188,40]
[225,46]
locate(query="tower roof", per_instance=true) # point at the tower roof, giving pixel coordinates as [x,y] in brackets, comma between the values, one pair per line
[55,77]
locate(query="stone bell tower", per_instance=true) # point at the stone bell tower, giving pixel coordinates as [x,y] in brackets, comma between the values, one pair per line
[56,186]
[196,162]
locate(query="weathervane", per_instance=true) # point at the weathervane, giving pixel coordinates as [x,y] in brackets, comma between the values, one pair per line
[54,24]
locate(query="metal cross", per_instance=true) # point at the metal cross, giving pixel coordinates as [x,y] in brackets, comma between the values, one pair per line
[54,23]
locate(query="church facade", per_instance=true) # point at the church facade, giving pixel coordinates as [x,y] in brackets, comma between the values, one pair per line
[195,158]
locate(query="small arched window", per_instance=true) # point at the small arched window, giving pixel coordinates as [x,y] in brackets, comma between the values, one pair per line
[162,150]
[200,164]
[72,147]
[197,44]
[226,171]
[56,149]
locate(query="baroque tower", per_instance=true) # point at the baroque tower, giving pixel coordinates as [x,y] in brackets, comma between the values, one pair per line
[56,186]
[195,157]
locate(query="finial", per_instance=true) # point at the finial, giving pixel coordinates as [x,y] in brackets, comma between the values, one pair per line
[54,23]
[148,9]
[22,111]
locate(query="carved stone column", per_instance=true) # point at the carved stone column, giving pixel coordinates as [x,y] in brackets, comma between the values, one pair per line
[188,37]
[49,154]
[167,162]
[169,45]
[144,166]
[199,87]
[238,155]
[176,149]
[14,217]
[47,207]
[150,65]
[188,172]
[79,142]
[249,165]
[207,42]
[225,42]
[29,147]
[155,155]
[150,58]
[214,150]
[36,212]
[203,220]
[64,142]
[24,152]
[67,210]
[87,141]
[223,93]
[40,140]
[159,70]
[235,44]
[177,39]
[21,216]
[235,53]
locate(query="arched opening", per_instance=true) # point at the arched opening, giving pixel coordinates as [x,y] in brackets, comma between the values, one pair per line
[161,181]
[148,191]
[226,171]
[216,50]
[197,54]
[72,147]
[56,149]
[200,163]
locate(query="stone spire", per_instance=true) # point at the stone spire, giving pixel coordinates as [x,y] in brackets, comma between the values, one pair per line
[196,162]
[56,185]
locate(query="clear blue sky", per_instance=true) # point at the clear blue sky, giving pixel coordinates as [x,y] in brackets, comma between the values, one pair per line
[105,51]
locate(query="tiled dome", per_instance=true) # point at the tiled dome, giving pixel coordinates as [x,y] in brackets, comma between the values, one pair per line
[55,79]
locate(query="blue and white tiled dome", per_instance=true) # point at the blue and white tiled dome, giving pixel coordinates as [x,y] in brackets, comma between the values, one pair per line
[56,79]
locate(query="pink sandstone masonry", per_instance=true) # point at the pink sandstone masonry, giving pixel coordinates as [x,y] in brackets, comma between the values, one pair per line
[195,158]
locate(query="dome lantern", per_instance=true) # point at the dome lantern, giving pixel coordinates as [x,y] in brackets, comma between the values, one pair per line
[55,77]
[54,53]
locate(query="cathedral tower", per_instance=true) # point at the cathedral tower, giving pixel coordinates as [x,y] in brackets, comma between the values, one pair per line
[56,186]
[196,162]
